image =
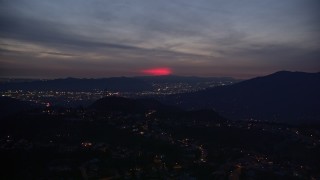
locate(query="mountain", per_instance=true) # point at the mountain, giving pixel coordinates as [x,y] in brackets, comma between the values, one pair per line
[126,105]
[183,79]
[122,84]
[142,106]
[283,96]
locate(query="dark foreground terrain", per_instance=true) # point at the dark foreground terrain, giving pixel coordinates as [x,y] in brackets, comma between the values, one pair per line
[119,138]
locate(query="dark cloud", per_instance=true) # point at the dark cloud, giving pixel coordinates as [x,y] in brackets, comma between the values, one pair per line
[43,32]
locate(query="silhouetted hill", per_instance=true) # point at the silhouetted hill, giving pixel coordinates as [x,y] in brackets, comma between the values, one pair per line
[182,79]
[143,106]
[10,106]
[282,96]
[122,84]
[126,105]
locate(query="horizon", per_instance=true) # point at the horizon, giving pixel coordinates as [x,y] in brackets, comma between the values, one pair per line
[67,77]
[137,76]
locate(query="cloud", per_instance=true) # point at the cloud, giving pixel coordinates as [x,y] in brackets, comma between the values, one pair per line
[193,37]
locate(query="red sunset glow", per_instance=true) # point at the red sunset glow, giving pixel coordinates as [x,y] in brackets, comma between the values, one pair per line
[157,71]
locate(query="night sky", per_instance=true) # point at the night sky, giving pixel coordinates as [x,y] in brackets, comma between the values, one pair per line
[103,38]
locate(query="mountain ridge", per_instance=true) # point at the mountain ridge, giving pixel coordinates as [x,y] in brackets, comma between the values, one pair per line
[121,84]
[281,96]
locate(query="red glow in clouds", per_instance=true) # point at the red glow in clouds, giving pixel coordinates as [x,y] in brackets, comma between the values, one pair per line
[157,71]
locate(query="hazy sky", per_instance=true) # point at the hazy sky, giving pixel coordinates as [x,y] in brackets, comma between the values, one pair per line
[100,38]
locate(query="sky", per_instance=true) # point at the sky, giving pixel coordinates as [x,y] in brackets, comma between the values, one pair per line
[104,38]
